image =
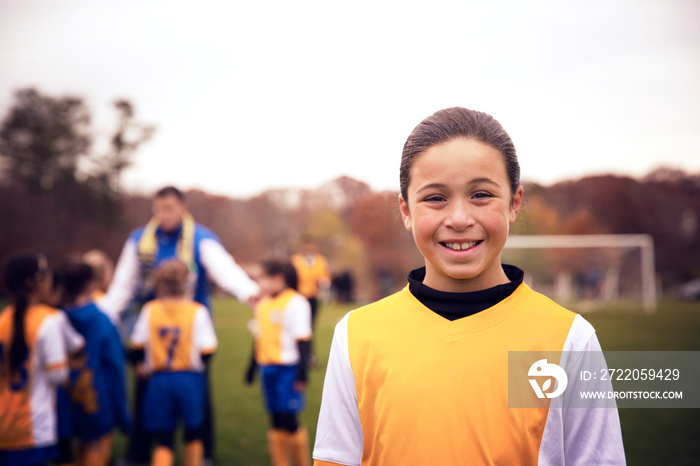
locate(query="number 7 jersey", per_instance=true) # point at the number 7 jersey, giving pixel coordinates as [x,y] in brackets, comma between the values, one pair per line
[174,333]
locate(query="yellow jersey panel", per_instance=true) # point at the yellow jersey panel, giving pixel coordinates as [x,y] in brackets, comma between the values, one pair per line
[310,270]
[171,324]
[174,334]
[281,321]
[428,375]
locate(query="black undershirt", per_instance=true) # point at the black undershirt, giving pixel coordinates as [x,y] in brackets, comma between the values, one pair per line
[453,306]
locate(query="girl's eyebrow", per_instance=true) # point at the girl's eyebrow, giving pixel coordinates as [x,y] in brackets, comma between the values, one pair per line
[475,181]
[484,181]
[431,186]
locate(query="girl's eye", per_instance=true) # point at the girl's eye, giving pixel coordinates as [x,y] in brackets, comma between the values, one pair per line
[482,195]
[434,198]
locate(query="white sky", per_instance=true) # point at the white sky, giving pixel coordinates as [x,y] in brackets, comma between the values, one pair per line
[249,96]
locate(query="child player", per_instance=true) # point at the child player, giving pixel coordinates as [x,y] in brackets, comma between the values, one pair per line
[421,377]
[282,330]
[175,337]
[33,362]
[97,381]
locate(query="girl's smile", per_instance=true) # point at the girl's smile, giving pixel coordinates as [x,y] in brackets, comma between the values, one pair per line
[459,209]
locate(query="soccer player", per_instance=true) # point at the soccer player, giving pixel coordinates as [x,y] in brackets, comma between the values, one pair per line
[421,377]
[97,379]
[282,330]
[33,362]
[313,277]
[174,336]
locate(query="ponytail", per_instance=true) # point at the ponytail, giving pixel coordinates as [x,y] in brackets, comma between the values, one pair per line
[23,272]
[18,347]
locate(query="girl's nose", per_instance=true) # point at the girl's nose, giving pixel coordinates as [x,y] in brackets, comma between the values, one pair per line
[459,216]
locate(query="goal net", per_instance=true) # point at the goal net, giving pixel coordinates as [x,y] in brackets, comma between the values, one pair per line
[588,272]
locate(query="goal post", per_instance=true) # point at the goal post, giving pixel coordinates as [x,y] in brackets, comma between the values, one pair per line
[621,243]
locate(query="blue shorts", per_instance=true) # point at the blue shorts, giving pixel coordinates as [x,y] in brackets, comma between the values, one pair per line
[171,396]
[64,415]
[278,389]
[29,457]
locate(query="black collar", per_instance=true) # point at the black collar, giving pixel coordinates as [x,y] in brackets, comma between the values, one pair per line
[453,306]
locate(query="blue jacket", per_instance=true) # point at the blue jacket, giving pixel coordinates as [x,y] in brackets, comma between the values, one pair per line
[98,388]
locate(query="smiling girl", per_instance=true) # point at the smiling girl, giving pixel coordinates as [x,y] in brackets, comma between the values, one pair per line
[421,377]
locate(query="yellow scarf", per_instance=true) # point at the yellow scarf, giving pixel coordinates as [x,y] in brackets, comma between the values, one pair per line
[148,248]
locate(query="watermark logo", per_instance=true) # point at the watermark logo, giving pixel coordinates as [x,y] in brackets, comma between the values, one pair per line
[542,369]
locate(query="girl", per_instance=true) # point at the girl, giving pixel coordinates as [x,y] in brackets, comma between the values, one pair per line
[282,331]
[33,361]
[175,338]
[97,380]
[421,377]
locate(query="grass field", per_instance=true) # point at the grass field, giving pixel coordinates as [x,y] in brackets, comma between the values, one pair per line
[651,436]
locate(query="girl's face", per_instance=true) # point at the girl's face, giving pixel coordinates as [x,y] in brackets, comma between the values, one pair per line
[459,209]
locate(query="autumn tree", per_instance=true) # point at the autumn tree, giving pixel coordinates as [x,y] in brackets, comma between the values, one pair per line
[68,192]
[128,136]
[42,139]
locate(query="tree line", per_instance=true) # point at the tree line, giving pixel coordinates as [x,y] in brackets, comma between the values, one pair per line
[58,194]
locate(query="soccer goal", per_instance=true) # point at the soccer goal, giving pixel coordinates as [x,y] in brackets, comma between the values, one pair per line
[588,270]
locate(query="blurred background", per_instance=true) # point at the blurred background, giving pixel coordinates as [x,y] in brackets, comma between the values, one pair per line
[283,119]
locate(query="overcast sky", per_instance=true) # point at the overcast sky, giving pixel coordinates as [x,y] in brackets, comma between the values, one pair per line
[249,96]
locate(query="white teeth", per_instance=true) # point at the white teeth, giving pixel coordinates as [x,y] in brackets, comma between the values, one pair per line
[461,246]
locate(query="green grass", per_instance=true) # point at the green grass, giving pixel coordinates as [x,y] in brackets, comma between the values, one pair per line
[240,418]
[651,436]
[656,436]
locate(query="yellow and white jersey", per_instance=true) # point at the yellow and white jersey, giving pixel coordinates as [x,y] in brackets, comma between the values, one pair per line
[280,322]
[405,386]
[28,399]
[174,334]
[311,270]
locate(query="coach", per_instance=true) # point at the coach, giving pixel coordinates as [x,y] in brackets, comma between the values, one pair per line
[171,232]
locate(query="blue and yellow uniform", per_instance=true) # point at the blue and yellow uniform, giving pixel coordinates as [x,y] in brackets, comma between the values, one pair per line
[281,321]
[27,399]
[175,334]
[97,387]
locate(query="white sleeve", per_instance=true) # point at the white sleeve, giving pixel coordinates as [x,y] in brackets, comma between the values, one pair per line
[339,433]
[581,436]
[204,333]
[226,273]
[74,341]
[298,318]
[124,284]
[139,335]
[51,349]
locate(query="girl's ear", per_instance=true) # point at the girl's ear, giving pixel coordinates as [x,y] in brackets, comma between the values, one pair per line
[405,213]
[515,204]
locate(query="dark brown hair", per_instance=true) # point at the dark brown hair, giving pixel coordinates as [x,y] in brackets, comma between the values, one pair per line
[453,123]
[76,277]
[171,191]
[274,268]
[23,272]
